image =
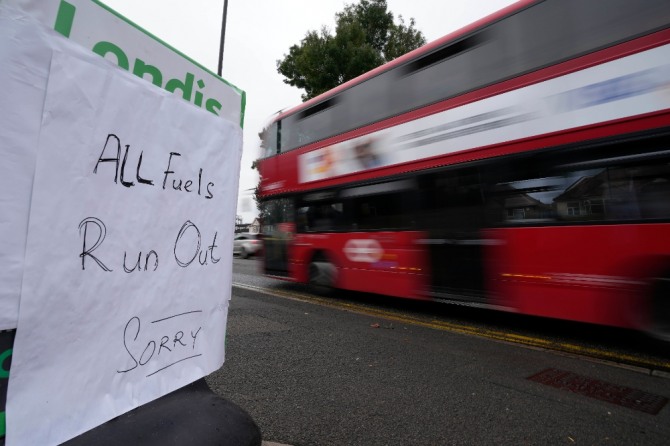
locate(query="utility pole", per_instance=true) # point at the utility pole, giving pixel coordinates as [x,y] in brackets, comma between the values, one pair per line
[223,36]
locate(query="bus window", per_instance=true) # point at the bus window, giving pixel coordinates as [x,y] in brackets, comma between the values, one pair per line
[582,193]
[639,192]
[382,212]
[382,206]
[321,217]
[452,202]
[269,140]
[527,201]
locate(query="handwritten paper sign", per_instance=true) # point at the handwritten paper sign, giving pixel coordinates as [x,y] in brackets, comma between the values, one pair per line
[106,33]
[127,267]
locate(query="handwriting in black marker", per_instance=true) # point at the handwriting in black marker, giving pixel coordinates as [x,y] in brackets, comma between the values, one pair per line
[113,142]
[142,352]
[125,345]
[185,185]
[86,252]
[176,362]
[176,315]
[120,173]
[195,335]
[187,248]
[151,254]
[107,160]
[194,251]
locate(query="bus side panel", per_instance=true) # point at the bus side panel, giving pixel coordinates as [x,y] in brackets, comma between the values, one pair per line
[389,263]
[598,274]
[279,173]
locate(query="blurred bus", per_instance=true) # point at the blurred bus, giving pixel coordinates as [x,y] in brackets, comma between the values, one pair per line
[521,163]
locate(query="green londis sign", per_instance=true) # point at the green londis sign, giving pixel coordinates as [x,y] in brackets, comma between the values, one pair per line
[6,343]
[99,28]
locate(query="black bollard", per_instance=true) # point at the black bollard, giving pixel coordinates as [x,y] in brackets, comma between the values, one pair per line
[192,415]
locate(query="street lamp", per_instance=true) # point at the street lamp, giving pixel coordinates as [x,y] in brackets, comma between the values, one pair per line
[223,35]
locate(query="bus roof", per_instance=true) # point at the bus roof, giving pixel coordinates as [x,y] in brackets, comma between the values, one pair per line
[427,48]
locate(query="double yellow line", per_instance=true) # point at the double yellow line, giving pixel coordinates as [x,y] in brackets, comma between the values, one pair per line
[645,365]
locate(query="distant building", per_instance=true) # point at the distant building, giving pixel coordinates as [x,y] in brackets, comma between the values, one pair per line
[585,198]
[254,227]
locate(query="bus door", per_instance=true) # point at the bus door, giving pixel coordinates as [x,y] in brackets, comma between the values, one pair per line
[454,219]
[277,232]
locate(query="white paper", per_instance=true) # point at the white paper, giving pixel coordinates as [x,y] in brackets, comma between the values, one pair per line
[99,335]
[21,104]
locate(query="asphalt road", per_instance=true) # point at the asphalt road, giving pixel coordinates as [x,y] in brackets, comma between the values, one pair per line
[314,374]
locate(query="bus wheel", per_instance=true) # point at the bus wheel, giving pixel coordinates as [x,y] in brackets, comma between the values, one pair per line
[322,275]
[660,307]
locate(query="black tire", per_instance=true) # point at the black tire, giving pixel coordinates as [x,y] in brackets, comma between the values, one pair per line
[322,276]
[243,253]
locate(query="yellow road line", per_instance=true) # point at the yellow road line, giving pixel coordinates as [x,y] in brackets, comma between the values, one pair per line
[619,358]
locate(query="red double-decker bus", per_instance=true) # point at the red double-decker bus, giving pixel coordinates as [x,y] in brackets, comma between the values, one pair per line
[521,163]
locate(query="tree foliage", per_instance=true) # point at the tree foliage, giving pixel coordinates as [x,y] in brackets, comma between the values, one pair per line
[366,36]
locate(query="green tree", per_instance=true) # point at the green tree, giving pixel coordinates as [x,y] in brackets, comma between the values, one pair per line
[366,36]
[260,207]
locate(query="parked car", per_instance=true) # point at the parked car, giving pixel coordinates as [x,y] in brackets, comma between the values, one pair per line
[247,245]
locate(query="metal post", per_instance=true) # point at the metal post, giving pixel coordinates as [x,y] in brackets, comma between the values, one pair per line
[223,35]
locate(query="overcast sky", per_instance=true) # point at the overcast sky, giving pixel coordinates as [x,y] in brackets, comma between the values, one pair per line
[258,33]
